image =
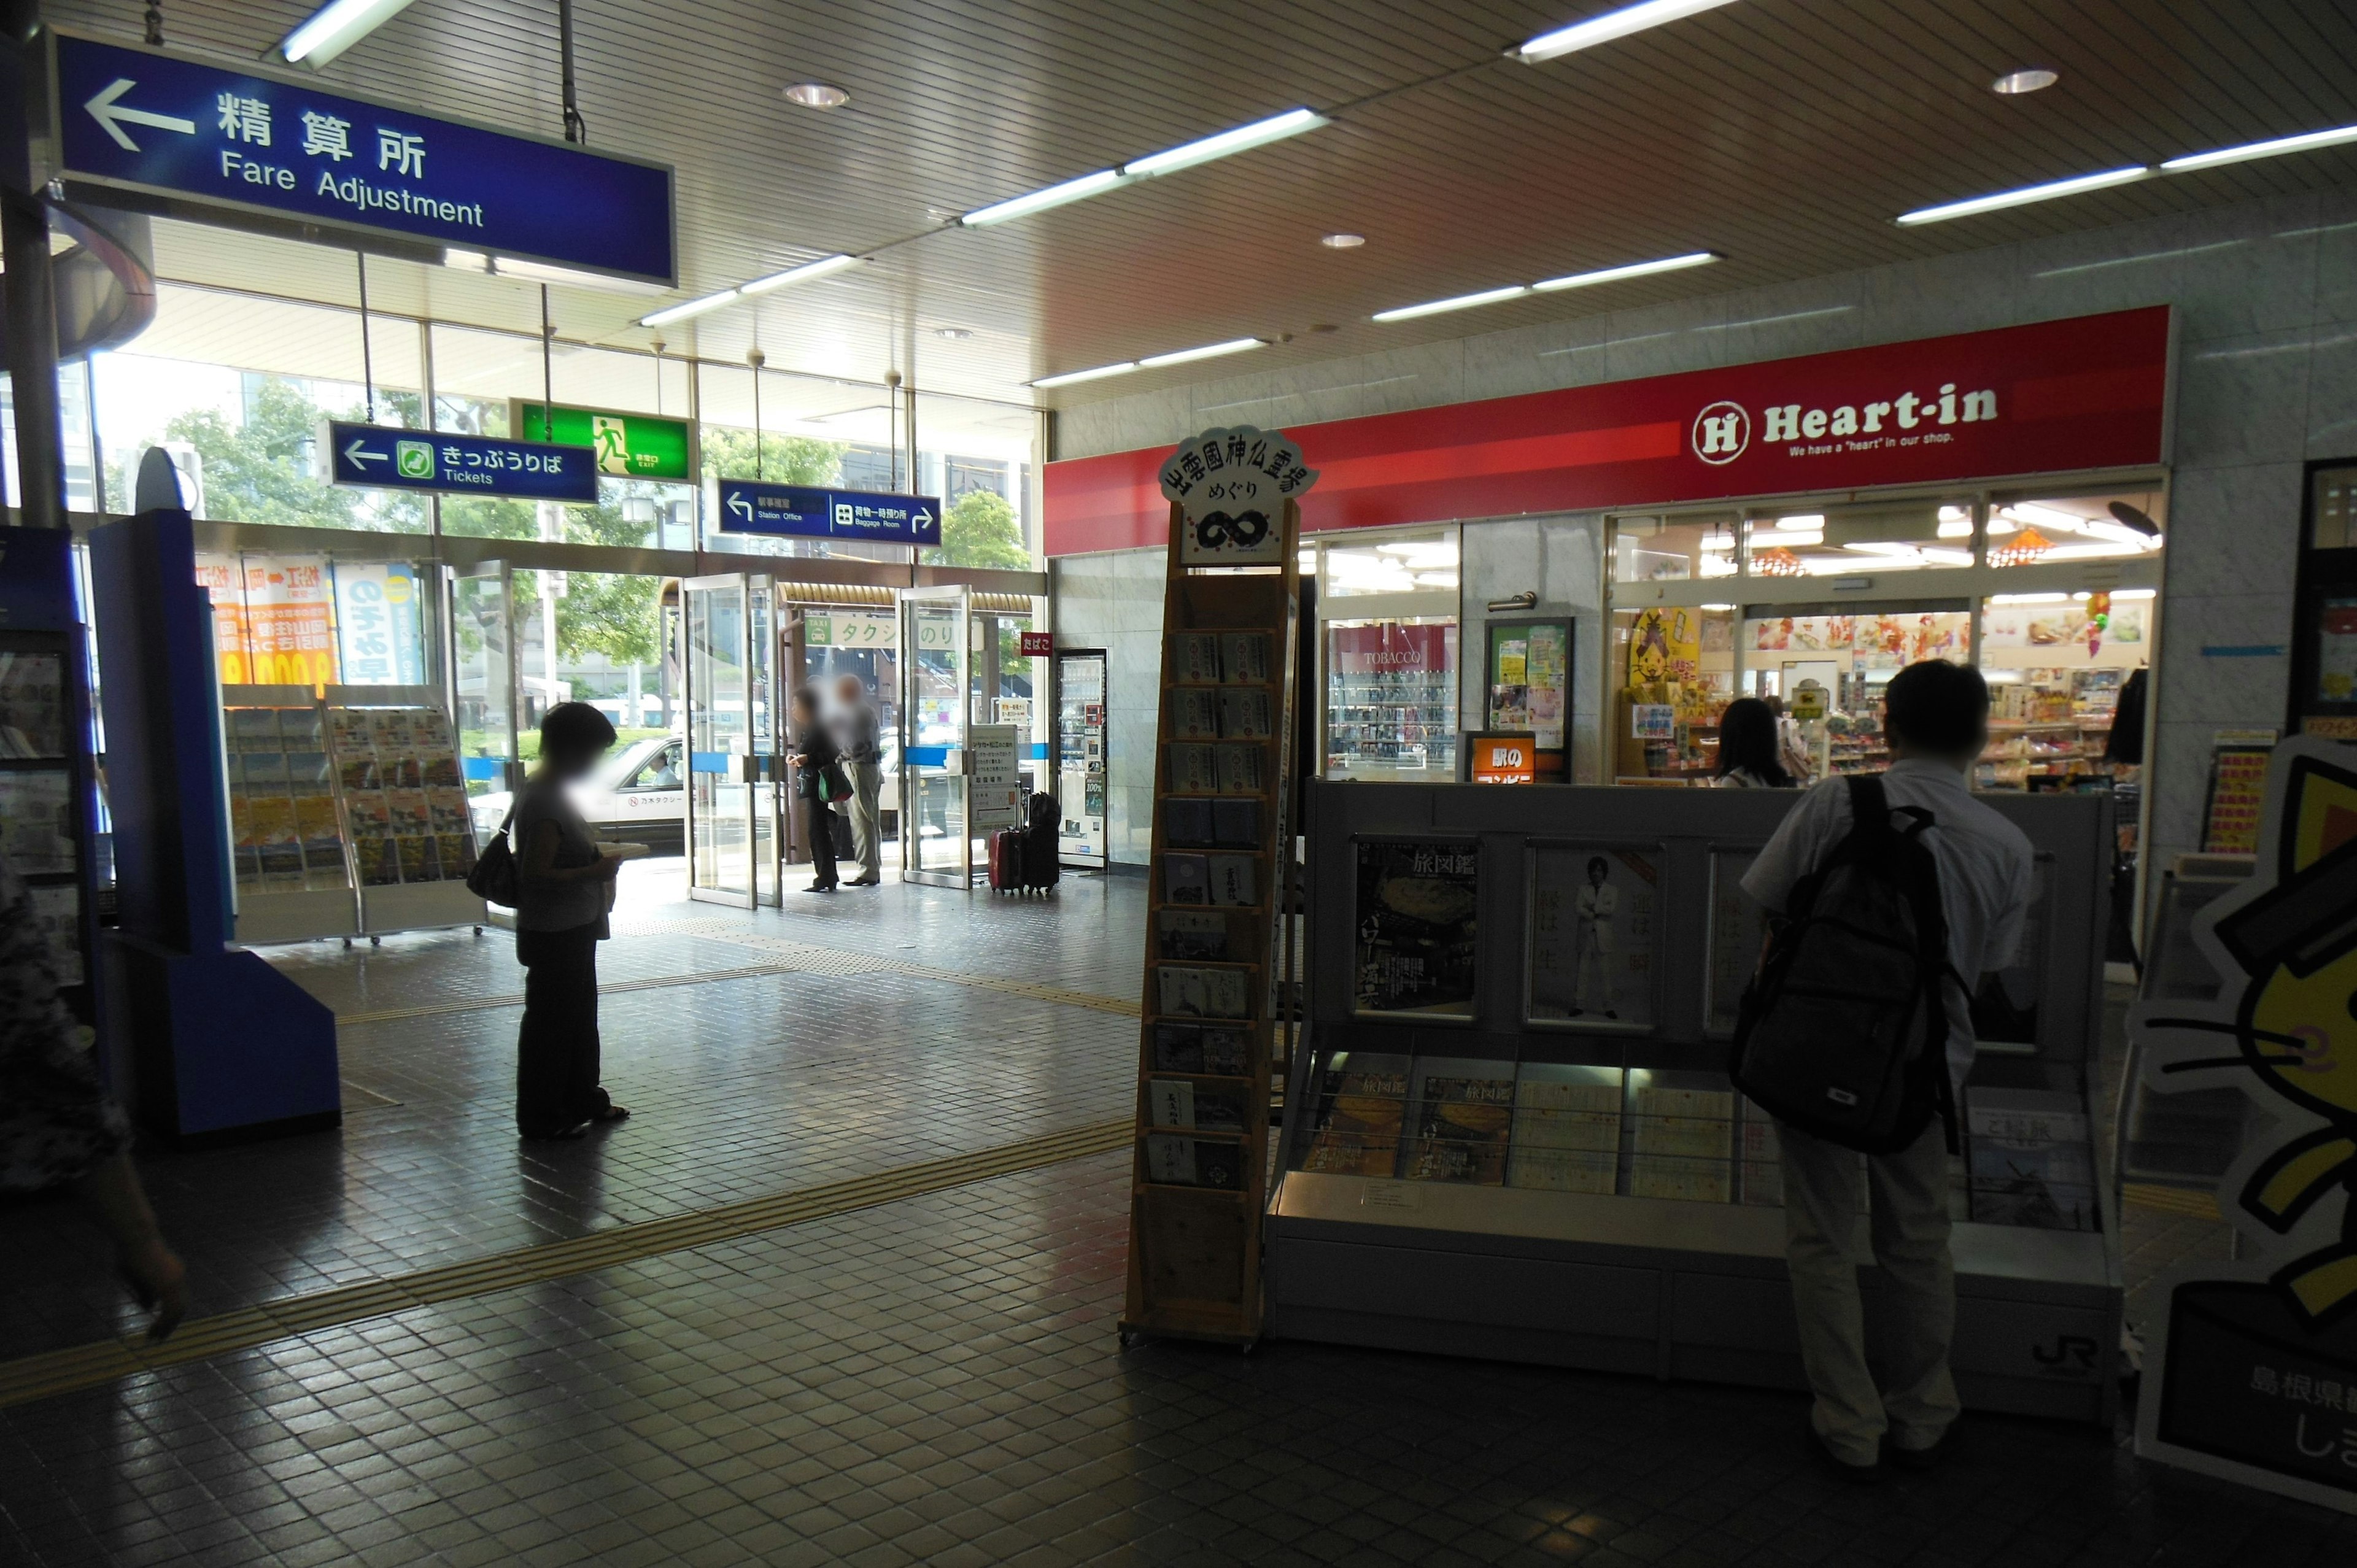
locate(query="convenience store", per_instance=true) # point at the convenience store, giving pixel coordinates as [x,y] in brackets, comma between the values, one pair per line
[1606,567]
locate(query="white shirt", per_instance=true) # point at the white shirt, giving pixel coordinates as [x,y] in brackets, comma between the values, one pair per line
[1985,870]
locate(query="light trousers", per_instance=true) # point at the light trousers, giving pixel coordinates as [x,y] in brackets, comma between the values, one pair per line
[1825,1185]
[867,815]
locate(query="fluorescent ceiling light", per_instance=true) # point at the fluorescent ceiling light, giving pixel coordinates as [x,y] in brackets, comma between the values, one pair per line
[1078,189]
[1806,522]
[1069,377]
[2275,148]
[465,261]
[1461,302]
[1720,608]
[1153,361]
[1612,25]
[333,28]
[1242,138]
[1633,270]
[802,274]
[2029,78]
[1209,352]
[2134,593]
[1259,133]
[2029,598]
[2023,197]
[681,312]
[540,272]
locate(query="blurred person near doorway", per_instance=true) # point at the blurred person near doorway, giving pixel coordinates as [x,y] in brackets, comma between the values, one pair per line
[819,780]
[59,1129]
[858,737]
[564,883]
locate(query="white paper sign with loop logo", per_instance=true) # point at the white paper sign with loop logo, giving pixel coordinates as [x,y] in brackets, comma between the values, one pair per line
[1231,485]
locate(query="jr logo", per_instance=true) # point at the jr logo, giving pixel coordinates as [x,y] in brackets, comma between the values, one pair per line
[1721,432]
[2072,1355]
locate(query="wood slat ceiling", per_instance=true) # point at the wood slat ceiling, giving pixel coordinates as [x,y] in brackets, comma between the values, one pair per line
[1785,133]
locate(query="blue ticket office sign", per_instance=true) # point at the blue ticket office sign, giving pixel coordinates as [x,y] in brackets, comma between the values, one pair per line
[373,457]
[802,511]
[217,142]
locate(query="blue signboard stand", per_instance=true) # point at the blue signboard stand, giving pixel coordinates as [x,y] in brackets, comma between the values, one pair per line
[379,458]
[206,1042]
[292,156]
[802,511]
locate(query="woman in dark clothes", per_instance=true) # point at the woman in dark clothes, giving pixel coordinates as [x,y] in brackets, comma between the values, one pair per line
[818,778]
[1748,749]
[563,886]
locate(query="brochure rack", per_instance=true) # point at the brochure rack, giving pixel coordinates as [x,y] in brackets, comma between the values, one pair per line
[396,767]
[290,854]
[347,816]
[1514,1134]
[1214,924]
[46,832]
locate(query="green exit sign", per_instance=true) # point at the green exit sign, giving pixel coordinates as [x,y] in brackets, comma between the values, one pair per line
[628,445]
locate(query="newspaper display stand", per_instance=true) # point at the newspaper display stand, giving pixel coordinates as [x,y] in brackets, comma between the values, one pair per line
[1215,919]
[1514,1136]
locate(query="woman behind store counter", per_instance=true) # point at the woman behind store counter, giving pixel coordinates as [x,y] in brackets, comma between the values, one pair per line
[564,887]
[1750,748]
[58,1127]
[819,777]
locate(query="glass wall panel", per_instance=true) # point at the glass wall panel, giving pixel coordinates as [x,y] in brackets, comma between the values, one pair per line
[1418,562]
[234,388]
[1887,536]
[978,458]
[2043,533]
[1657,550]
[2056,663]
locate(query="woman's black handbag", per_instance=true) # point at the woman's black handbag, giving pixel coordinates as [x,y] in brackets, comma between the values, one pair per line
[496,875]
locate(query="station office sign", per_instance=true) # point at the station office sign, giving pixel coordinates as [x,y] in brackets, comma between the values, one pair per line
[628,445]
[373,456]
[804,512]
[220,143]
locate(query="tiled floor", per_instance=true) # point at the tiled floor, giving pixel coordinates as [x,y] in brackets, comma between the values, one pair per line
[937,1380]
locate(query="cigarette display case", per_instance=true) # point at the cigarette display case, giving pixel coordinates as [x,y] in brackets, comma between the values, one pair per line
[1514,1135]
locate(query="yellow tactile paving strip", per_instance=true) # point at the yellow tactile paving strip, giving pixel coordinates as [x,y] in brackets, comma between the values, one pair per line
[793,958]
[2172,1199]
[106,1361]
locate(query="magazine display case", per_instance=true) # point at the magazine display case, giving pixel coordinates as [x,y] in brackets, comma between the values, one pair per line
[1516,1137]
[396,767]
[346,816]
[46,764]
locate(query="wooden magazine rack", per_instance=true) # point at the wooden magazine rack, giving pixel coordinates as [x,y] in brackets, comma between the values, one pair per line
[1219,923]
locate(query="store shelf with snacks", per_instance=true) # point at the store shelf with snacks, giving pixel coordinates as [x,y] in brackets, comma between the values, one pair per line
[1520,1011]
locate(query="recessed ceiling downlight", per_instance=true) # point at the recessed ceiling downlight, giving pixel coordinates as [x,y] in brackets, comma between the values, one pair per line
[1343,242]
[817,95]
[2029,78]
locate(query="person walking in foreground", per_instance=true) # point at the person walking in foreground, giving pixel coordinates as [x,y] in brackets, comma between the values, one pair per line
[564,888]
[58,1127]
[818,779]
[1750,749]
[858,736]
[1963,908]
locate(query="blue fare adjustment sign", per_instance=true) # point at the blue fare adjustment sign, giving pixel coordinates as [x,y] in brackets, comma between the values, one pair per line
[800,512]
[379,459]
[286,156]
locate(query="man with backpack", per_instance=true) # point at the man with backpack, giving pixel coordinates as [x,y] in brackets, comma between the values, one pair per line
[1896,891]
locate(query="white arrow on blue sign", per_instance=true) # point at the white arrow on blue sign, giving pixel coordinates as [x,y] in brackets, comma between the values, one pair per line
[379,459]
[802,511]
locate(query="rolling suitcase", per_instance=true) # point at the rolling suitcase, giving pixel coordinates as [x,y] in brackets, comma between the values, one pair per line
[1042,861]
[1007,861]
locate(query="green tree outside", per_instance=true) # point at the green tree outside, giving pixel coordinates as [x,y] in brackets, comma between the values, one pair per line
[262,469]
[980,532]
